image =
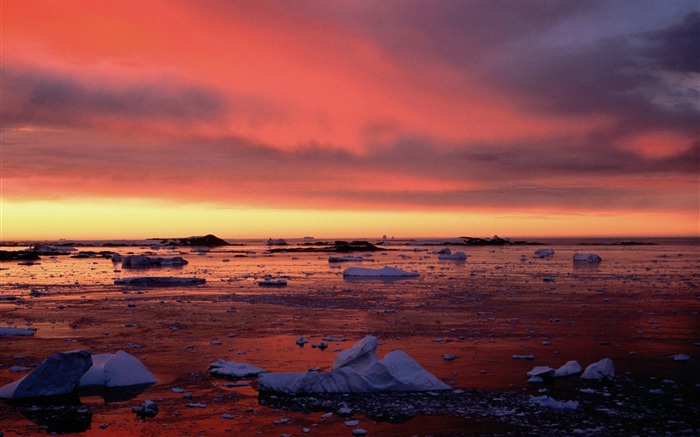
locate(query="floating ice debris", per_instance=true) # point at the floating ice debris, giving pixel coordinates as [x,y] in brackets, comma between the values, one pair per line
[549,278]
[384,272]
[457,256]
[570,368]
[680,357]
[587,257]
[17,331]
[159,281]
[301,341]
[340,259]
[448,357]
[544,252]
[147,409]
[357,370]
[117,258]
[351,423]
[233,370]
[196,405]
[359,432]
[142,262]
[177,390]
[50,249]
[548,402]
[116,370]
[269,282]
[58,374]
[599,370]
[335,339]
[523,357]
[321,345]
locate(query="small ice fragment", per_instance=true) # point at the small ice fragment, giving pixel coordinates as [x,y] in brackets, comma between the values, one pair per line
[301,341]
[680,357]
[359,432]
[351,423]
[548,402]
[448,357]
[523,357]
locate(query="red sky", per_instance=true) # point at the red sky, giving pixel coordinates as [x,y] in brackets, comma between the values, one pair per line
[130,118]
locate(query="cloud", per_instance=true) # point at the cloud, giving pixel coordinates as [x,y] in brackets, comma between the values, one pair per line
[48,97]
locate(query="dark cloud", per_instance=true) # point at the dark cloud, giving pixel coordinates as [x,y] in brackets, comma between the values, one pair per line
[676,48]
[44,97]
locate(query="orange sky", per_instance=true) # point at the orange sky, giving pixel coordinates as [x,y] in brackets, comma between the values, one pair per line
[408,118]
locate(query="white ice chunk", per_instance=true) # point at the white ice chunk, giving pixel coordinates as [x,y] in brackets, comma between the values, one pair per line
[602,369]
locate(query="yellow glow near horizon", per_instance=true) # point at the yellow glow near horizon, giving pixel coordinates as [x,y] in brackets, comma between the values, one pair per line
[140,219]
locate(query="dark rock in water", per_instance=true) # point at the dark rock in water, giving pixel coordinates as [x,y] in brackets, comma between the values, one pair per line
[159,281]
[57,375]
[495,241]
[18,255]
[59,416]
[144,262]
[207,240]
[355,246]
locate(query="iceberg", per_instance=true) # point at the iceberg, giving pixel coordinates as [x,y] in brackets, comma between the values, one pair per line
[587,257]
[116,370]
[384,272]
[544,253]
[457,256]
[57,375]
[357,370]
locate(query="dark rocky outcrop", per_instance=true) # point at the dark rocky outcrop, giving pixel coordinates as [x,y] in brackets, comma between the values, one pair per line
[18,255]
[208,240]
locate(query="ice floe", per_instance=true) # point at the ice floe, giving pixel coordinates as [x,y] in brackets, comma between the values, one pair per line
[384,272]
[269,282]
[143,262]
[357,370]
[233,370]
[457,256]
[17,331]
[159,281]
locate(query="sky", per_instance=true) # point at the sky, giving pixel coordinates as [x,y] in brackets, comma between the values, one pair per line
[136,119]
